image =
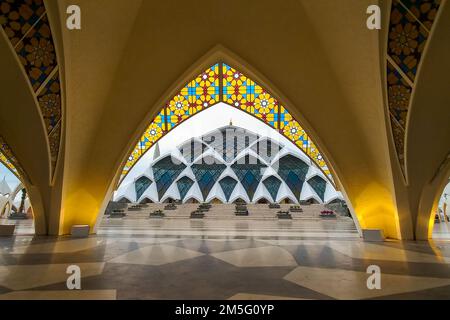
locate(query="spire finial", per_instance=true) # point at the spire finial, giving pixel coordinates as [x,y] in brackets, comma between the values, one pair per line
[231,122]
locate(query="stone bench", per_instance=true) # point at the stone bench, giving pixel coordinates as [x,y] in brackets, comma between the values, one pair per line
[18,216]
[80,231]
[373,235]
[117,214]
[284,215]
[197,215]
[157,214]
[170,207]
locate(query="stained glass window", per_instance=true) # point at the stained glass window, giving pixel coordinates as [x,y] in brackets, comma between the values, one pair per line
[272,185]
[165,172]
[199,94]
[293,171]
[228,184]
[243,93]
[9,160]
[207,171]
[319,185]
[222,82]
[141,185]
[249,173]
[184,185]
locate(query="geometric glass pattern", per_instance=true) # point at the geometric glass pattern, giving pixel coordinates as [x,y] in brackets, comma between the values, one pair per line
[227,184]
[27,27]
[141,185]
[319,185]
[199,94]
[165,172]
[8,159]
[249,173]
[293,171]
[206,173]
[184,185]
[410,24]
[272,185]
[223,83]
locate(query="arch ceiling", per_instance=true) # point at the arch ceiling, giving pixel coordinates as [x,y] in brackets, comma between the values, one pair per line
[27,27]
[223,83]
[410,25]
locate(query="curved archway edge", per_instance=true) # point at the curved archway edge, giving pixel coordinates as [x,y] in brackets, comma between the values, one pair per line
[224,60]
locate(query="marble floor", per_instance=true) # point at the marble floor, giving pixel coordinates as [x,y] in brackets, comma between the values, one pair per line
[219,259]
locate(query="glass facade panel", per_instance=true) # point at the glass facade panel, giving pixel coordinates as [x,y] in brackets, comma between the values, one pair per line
[319,185]
[249,173]
[228,184]
[207,172]
[184,185]
[165,173]
[272,185]
[141,185]
[293,171]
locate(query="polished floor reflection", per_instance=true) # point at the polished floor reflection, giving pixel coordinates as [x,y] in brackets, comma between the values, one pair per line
[215,259]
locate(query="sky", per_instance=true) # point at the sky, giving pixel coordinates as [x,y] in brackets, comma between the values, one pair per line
[11,179]
[208,120]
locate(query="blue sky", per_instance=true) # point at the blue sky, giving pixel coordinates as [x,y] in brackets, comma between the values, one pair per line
[10,177]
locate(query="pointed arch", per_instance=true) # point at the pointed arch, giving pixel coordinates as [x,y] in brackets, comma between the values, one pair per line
[223,83]
[28,29]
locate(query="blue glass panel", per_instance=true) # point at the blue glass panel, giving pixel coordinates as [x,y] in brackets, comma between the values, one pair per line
[184,185]
[207,172]
[165,172]
[273,185]
[293,171]
[319,185]
[141,185]
[228,184]
[249,173]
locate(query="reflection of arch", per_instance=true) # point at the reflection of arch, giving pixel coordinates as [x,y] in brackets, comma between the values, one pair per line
[223,83]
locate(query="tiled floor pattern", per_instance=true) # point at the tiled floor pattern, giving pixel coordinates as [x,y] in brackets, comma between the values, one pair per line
[212,260]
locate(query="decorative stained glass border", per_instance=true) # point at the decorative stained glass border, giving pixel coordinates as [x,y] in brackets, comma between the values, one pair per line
[223,83]
[27,27]
[410,24]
